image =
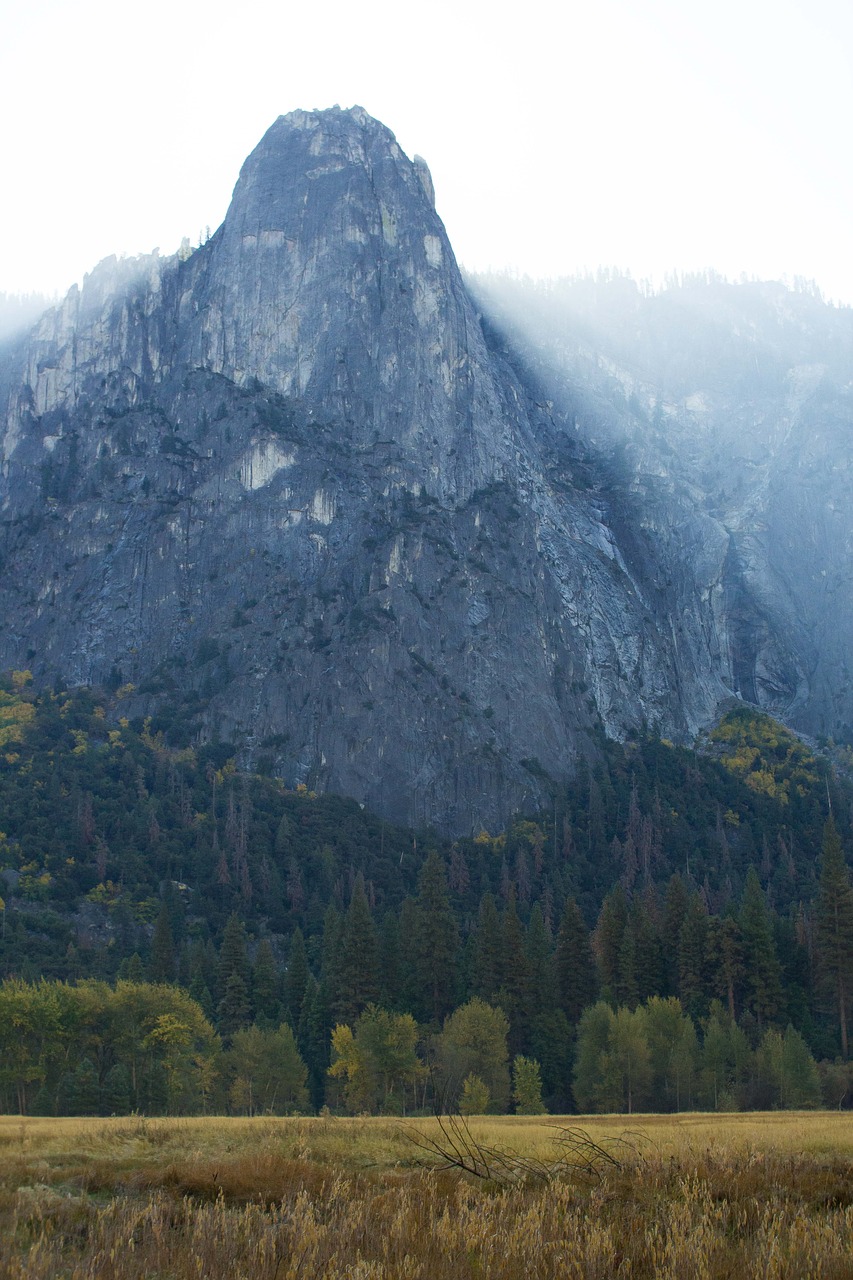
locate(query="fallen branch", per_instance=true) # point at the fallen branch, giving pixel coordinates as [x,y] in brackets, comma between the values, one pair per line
[579,1156]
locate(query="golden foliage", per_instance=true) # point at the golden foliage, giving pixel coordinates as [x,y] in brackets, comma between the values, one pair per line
[770,759]
[15,714]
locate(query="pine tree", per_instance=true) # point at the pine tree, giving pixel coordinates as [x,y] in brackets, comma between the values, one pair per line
[132,970]
[233,1010]
[551,1044]
[834,928]
[436,942]
[540,965]
[690,956]
[313,1037]
[266,987]
[609,935]
[200,992]
[574,964]
[645,923]
[800,1083]
[410,993]
[390,962]
[486,948]
[514,994]
[330,953]
[205,962]
[761,963]
[296,977]
[725,958]
[174,904]
[161,965]
[675,904]
[358,970]
[233,955]
[627,989]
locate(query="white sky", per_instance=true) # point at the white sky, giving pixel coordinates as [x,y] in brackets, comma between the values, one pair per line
[644,134]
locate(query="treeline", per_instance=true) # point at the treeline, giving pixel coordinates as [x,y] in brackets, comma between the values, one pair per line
[92,1049]
[662,1007]
[659,872]
[767,971]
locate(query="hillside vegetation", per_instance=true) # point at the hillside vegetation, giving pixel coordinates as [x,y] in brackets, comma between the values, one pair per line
[671,899]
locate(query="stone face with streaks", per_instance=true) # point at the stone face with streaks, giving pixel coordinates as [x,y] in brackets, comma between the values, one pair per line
[298,493]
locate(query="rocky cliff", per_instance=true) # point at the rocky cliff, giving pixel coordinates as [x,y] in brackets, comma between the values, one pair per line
[299,494]
[727,412]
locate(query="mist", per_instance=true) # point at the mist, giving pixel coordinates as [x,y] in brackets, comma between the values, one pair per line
[20,311]
[673,362]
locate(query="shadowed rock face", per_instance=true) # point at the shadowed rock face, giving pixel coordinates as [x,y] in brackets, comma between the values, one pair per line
[296,493]
[726,411]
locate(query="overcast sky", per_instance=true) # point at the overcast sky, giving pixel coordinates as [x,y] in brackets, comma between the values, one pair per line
[643,134]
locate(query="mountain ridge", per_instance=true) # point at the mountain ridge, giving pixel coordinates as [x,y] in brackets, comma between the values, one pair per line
[298,492]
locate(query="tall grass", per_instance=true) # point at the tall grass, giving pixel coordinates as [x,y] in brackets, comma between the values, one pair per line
[272,1200]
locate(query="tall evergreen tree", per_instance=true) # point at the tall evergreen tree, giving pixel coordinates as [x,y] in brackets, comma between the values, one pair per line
[436,942]
[540,965]
[761,963]
[514,993]
[161,965]
[800,1082]
[675,904]
[834,929]
[690,956]
[82,1092]
[314,1037]
[390,962]
[358,969]
[645,921]
[266,987]
[487,950]
[627,989]
[234,1009]
[296,977]
[574,964]
[725,954]
[609,936]
[408,978]
[233,955]
[330,954]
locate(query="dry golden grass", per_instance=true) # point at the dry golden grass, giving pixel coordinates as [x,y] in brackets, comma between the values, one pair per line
[693,1196]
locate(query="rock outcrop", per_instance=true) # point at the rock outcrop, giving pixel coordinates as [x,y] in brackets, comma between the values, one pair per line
[292,490]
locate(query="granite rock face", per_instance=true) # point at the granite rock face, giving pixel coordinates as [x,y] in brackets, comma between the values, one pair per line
[726,411]
[298,493]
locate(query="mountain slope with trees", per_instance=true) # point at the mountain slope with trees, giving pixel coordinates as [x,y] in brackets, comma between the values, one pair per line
[713,882]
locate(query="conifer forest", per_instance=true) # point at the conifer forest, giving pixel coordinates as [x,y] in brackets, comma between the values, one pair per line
[675,932]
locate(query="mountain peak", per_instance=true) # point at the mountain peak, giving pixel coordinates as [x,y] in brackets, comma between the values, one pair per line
[291,490]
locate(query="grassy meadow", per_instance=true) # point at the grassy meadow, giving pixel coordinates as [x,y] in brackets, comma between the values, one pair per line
[685,1196]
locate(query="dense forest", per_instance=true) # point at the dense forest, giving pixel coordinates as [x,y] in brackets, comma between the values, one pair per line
[676,931]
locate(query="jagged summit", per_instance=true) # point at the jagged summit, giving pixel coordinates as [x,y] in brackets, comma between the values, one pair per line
[332,261]
[293,491]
